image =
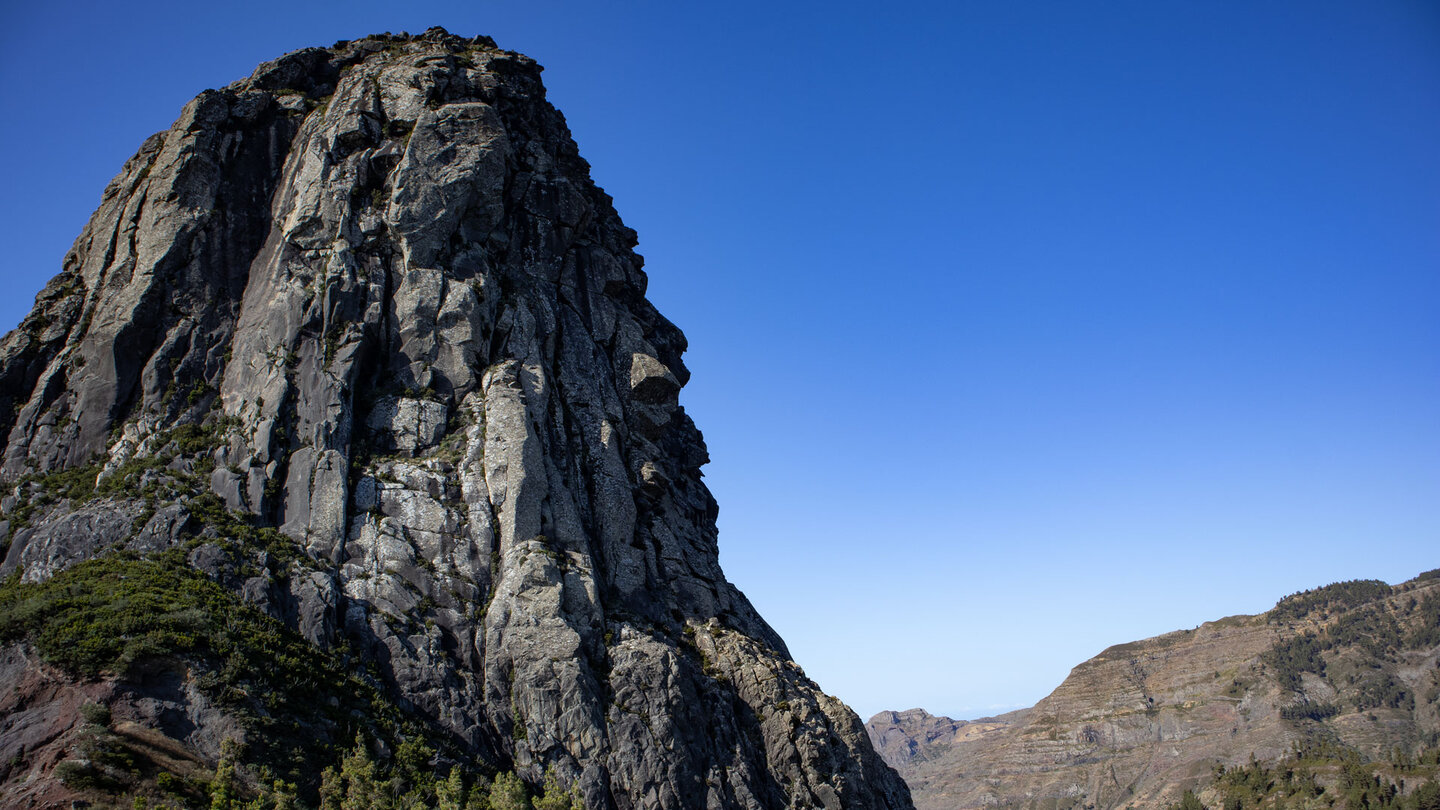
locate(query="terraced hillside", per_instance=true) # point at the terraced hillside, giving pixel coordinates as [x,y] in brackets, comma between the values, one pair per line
[1352,669]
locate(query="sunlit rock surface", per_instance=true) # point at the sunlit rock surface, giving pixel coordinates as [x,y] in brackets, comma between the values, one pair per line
[402,325]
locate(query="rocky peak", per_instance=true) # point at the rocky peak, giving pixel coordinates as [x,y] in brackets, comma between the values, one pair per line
[909,739]
[367,304]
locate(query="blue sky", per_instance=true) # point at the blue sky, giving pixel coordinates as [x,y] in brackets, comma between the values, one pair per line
[1018,329]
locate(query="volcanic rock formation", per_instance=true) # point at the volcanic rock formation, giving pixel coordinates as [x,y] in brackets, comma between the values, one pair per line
[370,297]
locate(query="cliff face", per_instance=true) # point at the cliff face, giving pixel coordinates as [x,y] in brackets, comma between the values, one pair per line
[370,298]
[1354,667]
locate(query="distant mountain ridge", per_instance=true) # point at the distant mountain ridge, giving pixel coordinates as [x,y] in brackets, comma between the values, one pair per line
[1353,667]
[910,739]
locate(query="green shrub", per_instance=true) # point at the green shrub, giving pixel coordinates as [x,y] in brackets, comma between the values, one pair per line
[118,613]
[95,714]
[83,776]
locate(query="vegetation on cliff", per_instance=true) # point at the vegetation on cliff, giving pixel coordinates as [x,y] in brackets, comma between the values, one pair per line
[359,340]
[1319,775]
[124,616]
[1330,700]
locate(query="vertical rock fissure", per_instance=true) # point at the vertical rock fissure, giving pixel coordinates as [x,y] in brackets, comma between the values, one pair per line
[433,373]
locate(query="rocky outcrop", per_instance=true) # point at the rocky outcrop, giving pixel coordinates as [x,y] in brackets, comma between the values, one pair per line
[908,740]
[370,297]
[166,724]
[1354,666]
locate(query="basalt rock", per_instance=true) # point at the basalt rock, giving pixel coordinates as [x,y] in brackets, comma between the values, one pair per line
[369,297]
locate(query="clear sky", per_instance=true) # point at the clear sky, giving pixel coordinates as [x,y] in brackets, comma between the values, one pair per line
[1018,329]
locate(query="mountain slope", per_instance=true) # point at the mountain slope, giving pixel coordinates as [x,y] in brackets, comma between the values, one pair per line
[1352,666]
[359,339]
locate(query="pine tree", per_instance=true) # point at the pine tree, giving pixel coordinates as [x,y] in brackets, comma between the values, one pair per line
[451,794]
[479,798]
[414,784]
[282,795]
[1189,801]
[556,796]
[357,771]
[332,790]
[508,793]
[222,789]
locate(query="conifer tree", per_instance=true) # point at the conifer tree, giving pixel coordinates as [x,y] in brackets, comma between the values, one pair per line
[1189,801]
[451,794]
[357,772]
[222,789]
[282,795]
[508,793]
[332,790]
[555,796]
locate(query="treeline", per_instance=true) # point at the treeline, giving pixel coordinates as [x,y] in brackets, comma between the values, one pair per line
[1328,599]
[406,782]
[1373,630]
[1289,659]
[1321,775]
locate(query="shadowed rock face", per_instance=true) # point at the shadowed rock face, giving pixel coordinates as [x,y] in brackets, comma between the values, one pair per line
[378,285]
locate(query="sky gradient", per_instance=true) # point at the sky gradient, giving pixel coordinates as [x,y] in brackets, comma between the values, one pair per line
[1018,329]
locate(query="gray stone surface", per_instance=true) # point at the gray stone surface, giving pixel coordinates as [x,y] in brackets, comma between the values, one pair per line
[404,424]
[419,339]
[66,537]
[164,530]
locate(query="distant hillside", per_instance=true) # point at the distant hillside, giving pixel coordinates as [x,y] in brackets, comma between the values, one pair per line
[910,740]
[1347,674]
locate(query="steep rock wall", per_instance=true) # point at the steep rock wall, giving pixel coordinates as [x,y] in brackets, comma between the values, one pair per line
[370,296]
